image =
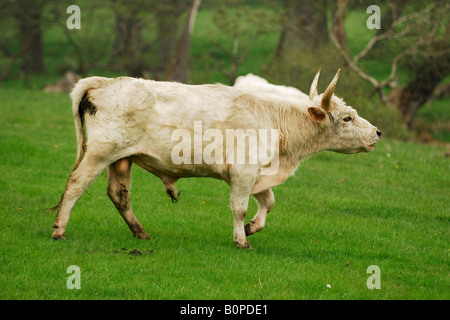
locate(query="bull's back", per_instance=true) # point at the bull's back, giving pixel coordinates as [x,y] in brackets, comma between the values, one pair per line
[141,115]
[169,101]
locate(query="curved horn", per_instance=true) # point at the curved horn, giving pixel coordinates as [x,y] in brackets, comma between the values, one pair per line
[313,90]
[328,94]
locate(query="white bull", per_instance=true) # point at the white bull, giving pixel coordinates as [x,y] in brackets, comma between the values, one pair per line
[134,120]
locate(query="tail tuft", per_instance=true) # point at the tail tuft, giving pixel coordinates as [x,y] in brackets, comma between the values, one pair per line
[58,205]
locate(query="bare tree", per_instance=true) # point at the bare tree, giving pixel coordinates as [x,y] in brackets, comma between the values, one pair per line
[239,52]
[28,15]
[244,26]
[167,15]
[25,18]
[423,38]
[428,74]
[178,65]
[129,45]
[21,40]
[236,56]
[12,57]
[339,23]
[89,46]
[304,27]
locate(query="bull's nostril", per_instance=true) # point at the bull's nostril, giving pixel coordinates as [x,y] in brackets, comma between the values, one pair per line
[379,133]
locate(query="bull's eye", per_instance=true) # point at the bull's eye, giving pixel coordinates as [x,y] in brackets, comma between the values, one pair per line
[347,119]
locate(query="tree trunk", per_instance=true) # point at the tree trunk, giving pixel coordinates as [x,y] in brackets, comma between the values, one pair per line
[305,27]
[303,38]
[339,23]
[128,36]
[420,89]
[28,15]
[168,15]
[178,66]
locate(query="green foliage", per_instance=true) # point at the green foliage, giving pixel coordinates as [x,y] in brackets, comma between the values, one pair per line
[235,19]
[299,68]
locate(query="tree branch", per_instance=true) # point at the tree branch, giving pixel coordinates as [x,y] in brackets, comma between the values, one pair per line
[419,42]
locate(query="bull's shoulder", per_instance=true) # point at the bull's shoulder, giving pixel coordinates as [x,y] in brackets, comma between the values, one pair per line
[285,170]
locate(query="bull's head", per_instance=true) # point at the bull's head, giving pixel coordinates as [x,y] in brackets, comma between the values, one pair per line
[346,131]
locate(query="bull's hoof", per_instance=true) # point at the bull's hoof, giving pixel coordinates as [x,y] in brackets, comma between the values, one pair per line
[244,245]
[58,235]
[142,235]
[173,195]
[249,230]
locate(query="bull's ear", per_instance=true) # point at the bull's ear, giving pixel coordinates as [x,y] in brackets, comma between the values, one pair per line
[317,114]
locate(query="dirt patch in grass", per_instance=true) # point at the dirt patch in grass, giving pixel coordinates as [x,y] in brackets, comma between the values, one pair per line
[133,252]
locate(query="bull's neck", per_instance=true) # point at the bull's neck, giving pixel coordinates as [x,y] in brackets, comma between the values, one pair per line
[302,137]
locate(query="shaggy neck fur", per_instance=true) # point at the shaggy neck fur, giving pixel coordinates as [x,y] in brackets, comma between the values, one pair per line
[300,135]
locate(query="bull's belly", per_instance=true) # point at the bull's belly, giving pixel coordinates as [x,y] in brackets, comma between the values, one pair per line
[164,167]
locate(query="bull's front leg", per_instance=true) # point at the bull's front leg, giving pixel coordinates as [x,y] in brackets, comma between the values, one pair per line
[240,193]
[239,204]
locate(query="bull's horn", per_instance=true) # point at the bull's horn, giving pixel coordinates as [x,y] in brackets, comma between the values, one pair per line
[313,90]
[328,94]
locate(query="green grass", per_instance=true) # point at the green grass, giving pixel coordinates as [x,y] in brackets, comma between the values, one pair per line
[337,216]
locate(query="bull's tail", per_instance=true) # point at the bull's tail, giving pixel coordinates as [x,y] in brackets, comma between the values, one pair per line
[81,105]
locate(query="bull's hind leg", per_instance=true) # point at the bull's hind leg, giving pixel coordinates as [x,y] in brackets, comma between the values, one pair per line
[79,180]
[119,183]
[266,201]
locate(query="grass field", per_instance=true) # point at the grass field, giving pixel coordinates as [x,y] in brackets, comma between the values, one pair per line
[336,217]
